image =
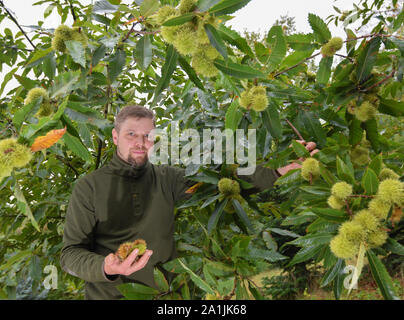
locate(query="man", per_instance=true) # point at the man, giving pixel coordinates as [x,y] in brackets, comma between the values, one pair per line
[127,199]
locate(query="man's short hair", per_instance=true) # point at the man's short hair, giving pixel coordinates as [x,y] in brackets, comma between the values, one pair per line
[133,111]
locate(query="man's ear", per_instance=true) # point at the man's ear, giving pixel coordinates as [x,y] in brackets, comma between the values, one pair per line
[115,136]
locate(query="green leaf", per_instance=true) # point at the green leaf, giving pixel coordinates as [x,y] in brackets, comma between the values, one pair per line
[320,29]
[339,282]
[344,172]
[196,279]
[143,52]
[76,51]
[313,126]
[77,147]
[327,175]
[300,42]
[103,6]
[315,239]
[233,116]
[277,42]
[190,72]
[25,112]
[237,70]
[204,5]
[330,214]
[227,7]
[324,70]
[235,39]
[148,7]
[355,132]
[305,254]
[179,20]
[391,107]
[160,280]
[394,247]
[7,78]
[38,56]
[27,210]
[376,164]
[367,58]
[215,40]
[49,66]
[136,291]
[381,277]
[242,215]
[284,232]
[300,150]
[333,272]
[219,269]
[26,82]
[271,120]
[166,71]
[64,83]
[268,255]
[370,182]
[215,216]
[14,259]
[372,134]
[116,65]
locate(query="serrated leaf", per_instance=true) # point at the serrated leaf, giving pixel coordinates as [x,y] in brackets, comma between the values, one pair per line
[277,43]
[313,126]
[329,214]
[166,71]
[238,70]
[38,56]
[269,255]
[367,58]
[305,254]
[271,120]
[370,182]
[391,107]
[190,72]
[235,39]
[64,83]
[215,40]
[215,216]
[394,247]
[177,21]
[116,65]
[204,5]
[137,291]
[242,215]
[143,52]
[196,279]
[344,172]
[333,272]
[372,134]
[27,210]
[233,116]
[76,51]
[324,70]
[300,150]
[312,239]
[381,277]
[319,27]
[355,132]
[227,7]
[77,147]
[148,7]
[104,6]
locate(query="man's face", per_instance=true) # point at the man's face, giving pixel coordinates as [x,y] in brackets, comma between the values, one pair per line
[132,140]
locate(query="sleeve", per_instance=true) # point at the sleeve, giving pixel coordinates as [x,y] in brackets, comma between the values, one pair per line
[180,184]
[263,178]
[76,257]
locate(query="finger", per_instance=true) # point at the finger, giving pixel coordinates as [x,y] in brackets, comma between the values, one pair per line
[311,145]
[141,263]
[314,152]
[110,259]
[130,259]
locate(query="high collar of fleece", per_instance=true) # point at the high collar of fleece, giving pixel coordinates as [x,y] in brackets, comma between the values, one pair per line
[123,168]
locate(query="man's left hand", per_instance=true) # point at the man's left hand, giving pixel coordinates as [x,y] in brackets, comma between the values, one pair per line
[310,146]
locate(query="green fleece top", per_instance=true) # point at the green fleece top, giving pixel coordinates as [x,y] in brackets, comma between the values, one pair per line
[118,203]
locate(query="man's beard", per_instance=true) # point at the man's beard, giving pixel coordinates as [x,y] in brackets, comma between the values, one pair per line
[135,163]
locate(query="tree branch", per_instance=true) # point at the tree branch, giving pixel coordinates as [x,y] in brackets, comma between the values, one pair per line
[297,64]
[18,25]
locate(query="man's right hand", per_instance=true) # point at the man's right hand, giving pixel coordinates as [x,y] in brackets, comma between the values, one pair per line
[112,264]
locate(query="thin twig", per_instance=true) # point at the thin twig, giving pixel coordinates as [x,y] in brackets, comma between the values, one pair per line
[68,164]
[295,130]
[147,32]
[380,82]
[72,10]
[297,64]
[346,57]
[18,25]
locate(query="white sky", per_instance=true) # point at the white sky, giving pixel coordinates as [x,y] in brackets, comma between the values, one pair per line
[258,16]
